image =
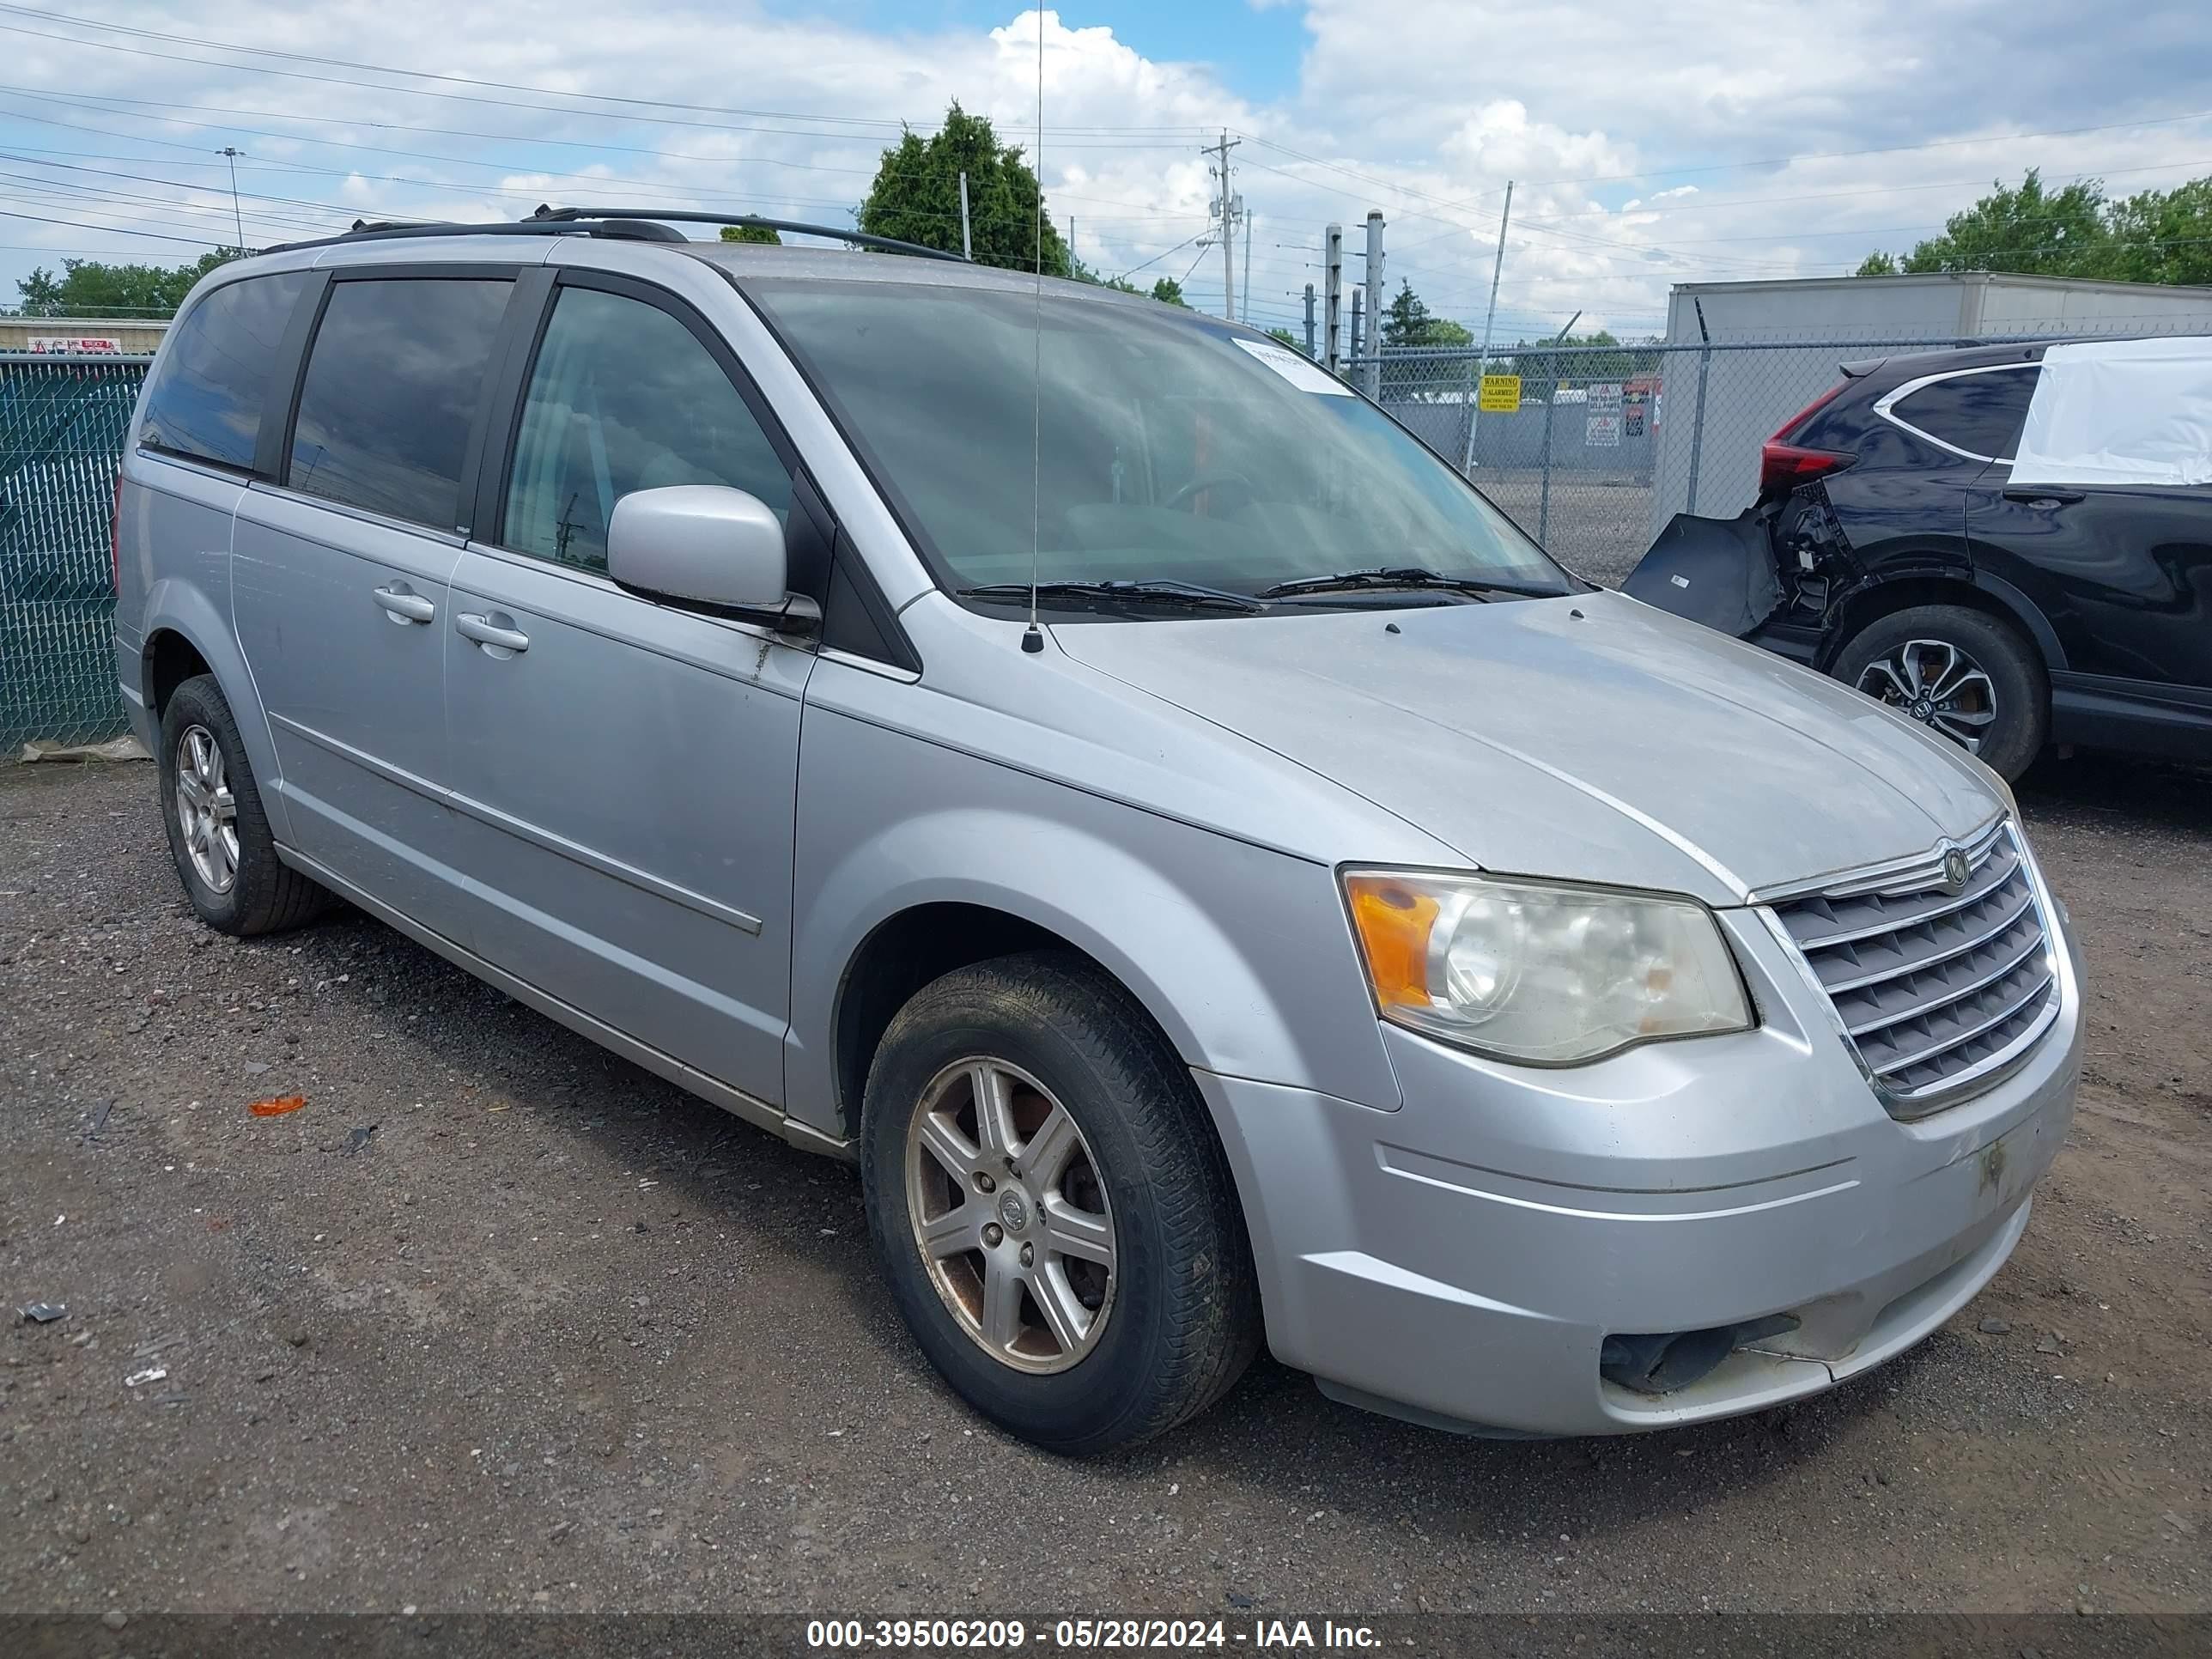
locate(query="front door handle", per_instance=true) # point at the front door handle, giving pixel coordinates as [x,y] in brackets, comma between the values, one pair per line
[2035,497]
[403,606]
[488,631]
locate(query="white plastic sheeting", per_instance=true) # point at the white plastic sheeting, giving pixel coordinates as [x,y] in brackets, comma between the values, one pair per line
[2120,412]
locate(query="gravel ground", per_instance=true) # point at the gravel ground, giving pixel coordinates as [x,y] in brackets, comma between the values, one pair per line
[499,1322]
[1598,524]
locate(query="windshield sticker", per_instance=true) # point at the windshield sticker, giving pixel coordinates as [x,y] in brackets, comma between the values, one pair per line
[1296,369]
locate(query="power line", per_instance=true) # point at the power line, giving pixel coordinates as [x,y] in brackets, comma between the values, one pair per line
[894,125]
[84,224]
[104,100]
[845,131]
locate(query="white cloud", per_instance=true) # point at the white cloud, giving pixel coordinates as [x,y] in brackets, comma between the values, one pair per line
[1426,113]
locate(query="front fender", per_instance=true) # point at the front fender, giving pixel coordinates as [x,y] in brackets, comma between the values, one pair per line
[1243,955]
[183,607]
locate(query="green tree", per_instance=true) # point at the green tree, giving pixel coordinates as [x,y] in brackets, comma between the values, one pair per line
[101,289]
[2029,230]
[915,197]
[1534,360]
[1877,264]
[2164,236]
[756,234]
[1408,321]
[1287,337]
[1169,292]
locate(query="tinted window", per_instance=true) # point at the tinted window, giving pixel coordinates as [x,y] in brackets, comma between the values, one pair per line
[1126,441]
[1981,414]
[207,400]
[623,396]
[392,384]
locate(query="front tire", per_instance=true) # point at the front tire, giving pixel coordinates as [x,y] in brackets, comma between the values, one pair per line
[219,834]
[1962,673]
[1052,1212]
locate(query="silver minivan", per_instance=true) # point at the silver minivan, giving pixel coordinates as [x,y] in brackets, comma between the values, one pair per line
[1314,916]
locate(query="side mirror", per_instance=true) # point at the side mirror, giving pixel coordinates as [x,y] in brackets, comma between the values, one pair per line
[704,544]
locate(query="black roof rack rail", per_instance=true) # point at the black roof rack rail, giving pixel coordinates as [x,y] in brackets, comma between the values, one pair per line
[644,224]
[368,230]
[694,216]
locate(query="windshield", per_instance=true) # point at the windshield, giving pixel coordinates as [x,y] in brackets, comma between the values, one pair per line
[1169,447]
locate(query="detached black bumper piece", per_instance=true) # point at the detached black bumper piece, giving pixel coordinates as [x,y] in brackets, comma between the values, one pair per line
[1719,571]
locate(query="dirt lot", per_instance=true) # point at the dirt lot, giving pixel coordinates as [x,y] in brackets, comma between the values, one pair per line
[1598,524]
[556,1336]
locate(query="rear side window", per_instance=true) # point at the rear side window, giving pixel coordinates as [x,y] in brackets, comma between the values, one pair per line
[1981,414]
[392,384]
[208,399]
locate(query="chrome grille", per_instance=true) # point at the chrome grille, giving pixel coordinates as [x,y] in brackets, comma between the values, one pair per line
[1938,988]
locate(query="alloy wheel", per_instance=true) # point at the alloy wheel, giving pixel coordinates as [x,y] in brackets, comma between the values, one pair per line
[1938,684]
[207,813]
[1010,1215]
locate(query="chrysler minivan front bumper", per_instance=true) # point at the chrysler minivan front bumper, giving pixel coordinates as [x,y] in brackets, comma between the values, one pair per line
[1462,1260]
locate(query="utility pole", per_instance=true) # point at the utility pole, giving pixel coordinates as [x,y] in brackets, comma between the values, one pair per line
[1309,314]
[1374,304]
[967,248]
[1070,245]
[1226,208]
[1496,271]
[231,154]
[1332,304]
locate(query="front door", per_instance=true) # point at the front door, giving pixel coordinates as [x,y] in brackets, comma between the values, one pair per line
[625,771]
[2124,572]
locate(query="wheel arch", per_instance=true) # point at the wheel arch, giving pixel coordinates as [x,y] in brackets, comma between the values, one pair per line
[1990,595]
[905,951]
[1189,924]
[168,660]
[186,635]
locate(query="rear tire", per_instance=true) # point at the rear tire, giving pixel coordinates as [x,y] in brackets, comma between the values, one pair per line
[1094,1357]
[1961,672]
[219,833]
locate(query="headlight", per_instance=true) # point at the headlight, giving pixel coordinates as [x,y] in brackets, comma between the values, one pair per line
[1549,975]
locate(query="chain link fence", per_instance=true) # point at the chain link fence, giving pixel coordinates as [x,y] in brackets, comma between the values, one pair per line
[62,422]
[1592,449]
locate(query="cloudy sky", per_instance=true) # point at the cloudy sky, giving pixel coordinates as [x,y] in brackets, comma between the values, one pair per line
[1651,144]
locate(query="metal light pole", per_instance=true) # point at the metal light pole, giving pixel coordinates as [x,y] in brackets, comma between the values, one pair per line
[231,154]
[967,248]
[1496,270]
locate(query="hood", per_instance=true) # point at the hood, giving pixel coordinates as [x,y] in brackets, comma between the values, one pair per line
[1588,737]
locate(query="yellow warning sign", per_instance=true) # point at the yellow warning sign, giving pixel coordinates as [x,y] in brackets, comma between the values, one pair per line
[1500,394]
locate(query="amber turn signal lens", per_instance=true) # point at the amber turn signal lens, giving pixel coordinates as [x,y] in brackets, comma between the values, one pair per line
[1394,922]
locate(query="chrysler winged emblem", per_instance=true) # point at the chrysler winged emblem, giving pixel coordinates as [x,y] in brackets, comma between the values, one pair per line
[1955,869]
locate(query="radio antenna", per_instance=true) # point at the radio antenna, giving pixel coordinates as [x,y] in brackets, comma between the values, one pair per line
[1033,640]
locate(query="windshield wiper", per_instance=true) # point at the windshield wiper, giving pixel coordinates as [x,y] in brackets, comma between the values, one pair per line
[1188,595]
[1344,581]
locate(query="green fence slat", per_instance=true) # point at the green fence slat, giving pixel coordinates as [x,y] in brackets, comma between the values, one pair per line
[62,424]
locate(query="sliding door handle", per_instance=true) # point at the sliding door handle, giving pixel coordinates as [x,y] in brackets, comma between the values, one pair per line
[494,632]
[2034,496]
